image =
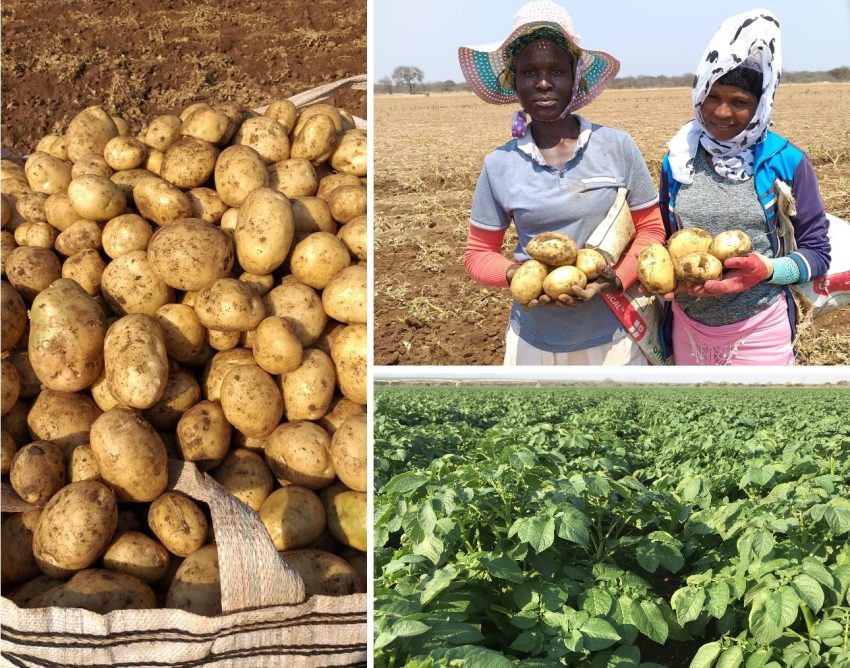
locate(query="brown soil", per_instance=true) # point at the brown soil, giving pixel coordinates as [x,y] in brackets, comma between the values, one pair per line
[139,58]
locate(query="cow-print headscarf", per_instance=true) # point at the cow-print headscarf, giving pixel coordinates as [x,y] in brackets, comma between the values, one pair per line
[750,40]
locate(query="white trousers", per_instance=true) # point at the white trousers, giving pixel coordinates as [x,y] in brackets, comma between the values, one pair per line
[622,351]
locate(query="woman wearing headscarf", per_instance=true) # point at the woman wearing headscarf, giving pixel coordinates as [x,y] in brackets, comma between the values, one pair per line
[560,173]
[721,173]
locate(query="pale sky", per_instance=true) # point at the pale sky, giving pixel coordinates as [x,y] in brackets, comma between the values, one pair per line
[651,37]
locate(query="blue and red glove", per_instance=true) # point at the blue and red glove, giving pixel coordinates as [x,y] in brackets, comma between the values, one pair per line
[746,272]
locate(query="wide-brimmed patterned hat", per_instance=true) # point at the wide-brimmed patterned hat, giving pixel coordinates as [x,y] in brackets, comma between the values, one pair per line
[484,65]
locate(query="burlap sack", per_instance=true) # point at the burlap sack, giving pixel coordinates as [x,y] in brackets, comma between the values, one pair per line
[265,619]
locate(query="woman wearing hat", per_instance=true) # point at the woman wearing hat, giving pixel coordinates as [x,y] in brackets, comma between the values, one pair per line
[720,174]
[559,173]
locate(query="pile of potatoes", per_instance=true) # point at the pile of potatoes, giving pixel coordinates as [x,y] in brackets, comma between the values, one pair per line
[557,265]
[194,291]
[691,256]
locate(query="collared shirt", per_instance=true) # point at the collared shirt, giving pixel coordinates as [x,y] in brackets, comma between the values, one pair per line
[516,184]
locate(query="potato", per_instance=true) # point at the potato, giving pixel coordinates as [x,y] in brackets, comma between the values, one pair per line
[298,453]
[31,233]
[730,243]
[264,231]
[86,268]
[138,555]
[154,162]
[311,214]
[18,561]
[15,424]
[590,262]
[206,204]
[294,517]
[276,348]
[101,393]
[82,235]
[162,132]
[206,123]
[562,280]
[245,475]
[359,563]
[67,329]
[136,360]
[10,385]
[350,155]
[96,197]
[64,418]
[129,285]
[340,410]
[219,366]
[128,178]
[308,391]
[219,340]
[55,145]
[196,586]
[261,284]
[38,471]
[239,170]
[315,139]
[13,316]
[251,400]
[31,207]
[60,212]
[161,202]
[89,132]
[181,393]
[203,432]
[91,164]
[7,451]
[189,253]
[354,235]
[688,240]
[349,452]
[46,174]
[7,245]
[30,385]
[655,269]
[284,112]
[266,136]
[317,258]
[185,336]
[130,455]
[82,464]
[324,574]
[189,162]
[229,305]
[344,297]
[122,153]
[331,182]
[100,591]
[346,517]
[697,267]
[295,177]
[125,233]
[527,281]
[75,527]
[23,596]
[30,270]
[553,249]
[300,308]
[348,352]
[347,202]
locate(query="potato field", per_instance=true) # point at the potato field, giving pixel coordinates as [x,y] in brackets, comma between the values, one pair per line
[602,527]
[430,151]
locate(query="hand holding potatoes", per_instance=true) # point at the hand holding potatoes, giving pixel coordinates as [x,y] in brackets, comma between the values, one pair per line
[745,273]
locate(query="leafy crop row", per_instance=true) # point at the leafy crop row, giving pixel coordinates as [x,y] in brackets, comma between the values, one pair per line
[612,527]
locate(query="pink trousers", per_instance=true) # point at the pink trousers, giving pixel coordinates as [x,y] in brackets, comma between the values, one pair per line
[764,339]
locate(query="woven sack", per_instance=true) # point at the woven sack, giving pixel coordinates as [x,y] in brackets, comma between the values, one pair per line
[265,619]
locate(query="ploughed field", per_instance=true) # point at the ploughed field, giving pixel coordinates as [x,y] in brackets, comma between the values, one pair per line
[428,155]
[596,527]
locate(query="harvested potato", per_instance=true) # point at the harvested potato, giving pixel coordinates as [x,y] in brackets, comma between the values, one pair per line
[350,155]
[8,448]
[203,432]
[251,400]
[64,418]
[229,305]
[562,280]
[185,336]
[266,136]
[24,595]
[347,202]
[315,139]
[136,360]
[655,269]
[196,586]
[206,204]
[311,214]
[89,132]
[31,233]
[182,392]
[162,132]
[82,235]
[239,170]
[130,285]
[276,348]
[82,464]
[123,152]
[348,352]
[346,517]
[30,270]
[96,197]
[294,517]
[188,254]
[527,281]
[300,307]
[284,112]
[179,523]
[130,455]
[38,471]
[730,243]
[590,262]
[218,366]
[697,267]
[47,174]
[298,453]
[161,202]
[18,561]
[317,258]
[30,207]
[75,527]
[553,249]
[344,297]
[324,574]
[331,182]
[136,554]
[125,233]
[85,268]
[295,177]
[688,240]
[264,231]
[340,410]
[349,450]
[11,385]
[188,163]
[91,164]
[13,316]
[60,212]
[206,123]
[308,391]
[98,590]
[354,235]
[245,475]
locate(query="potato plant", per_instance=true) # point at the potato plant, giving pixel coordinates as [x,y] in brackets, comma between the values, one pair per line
[612,527]
[190,291]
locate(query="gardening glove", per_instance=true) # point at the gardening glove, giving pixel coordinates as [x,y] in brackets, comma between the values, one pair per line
[746,272]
